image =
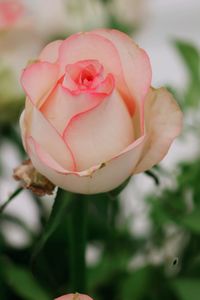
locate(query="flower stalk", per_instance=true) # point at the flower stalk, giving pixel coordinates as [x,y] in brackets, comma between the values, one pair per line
[77,244]
[12,196]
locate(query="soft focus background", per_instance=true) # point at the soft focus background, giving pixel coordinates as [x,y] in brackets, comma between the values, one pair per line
[144,244]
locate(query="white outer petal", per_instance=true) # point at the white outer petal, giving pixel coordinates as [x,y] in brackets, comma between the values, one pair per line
[61,106]
[134,60]
[47,136]
[104,179]
[22,128]
[163,122]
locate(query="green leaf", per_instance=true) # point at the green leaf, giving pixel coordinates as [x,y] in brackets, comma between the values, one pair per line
[136,285]
[192,95]
[23,283]
[116,23]
[59,210]
[11,197]
[106,269]
[191,57]
[187,289]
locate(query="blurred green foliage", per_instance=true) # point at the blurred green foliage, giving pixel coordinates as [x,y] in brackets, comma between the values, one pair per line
[11,99]
[41,270]
[190,96]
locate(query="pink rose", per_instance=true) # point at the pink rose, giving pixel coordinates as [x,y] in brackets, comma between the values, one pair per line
[11,12]
[74,297]
[91,117]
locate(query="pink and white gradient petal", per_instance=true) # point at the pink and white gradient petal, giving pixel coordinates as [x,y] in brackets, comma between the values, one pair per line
[134,61]
[163,123]
[50,52]
[136,70]
[47,136]
[74,297]
[100,179]
[101,133]
[62,105]
[38,79]
[91,45]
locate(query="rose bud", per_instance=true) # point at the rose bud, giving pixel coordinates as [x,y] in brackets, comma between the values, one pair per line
[91,118]
[74,297]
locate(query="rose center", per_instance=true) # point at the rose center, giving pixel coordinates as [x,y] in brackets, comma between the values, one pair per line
[84,75]
[85,79]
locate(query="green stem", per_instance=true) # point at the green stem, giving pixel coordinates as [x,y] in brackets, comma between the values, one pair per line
[13,195]
[77,241]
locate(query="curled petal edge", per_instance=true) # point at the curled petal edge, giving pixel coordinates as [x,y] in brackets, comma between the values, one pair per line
[163,121]
[38,80]
[98,179]
[47,160]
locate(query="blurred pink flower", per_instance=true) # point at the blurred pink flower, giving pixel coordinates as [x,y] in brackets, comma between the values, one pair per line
[11,12]
[18,42]
[74,297]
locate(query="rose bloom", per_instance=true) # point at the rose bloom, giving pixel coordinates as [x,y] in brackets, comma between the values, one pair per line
[74,297]
[91,117]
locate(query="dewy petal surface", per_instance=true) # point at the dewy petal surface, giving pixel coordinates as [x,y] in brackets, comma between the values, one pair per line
[101,133]
[163,122]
